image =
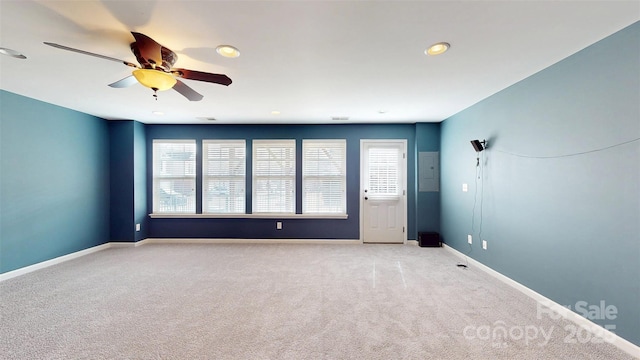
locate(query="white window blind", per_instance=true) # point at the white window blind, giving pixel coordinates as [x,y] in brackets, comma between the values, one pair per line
[174,176]
[223,173]
[274,176]
[324,176]
[384,172]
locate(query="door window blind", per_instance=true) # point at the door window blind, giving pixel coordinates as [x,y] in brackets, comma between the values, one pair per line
[384,170]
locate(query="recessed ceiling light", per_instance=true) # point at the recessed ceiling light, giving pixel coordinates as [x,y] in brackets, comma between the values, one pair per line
[275,112]
[437,49]
[382,111]
[12,53]
[228,51]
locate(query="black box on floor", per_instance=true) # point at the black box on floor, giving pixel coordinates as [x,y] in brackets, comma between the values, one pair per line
[429,239]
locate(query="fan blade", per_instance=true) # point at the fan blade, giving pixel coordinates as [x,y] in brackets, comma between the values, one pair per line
[202,76]
[126,82]
[149,49]
[90,54]
[186,91]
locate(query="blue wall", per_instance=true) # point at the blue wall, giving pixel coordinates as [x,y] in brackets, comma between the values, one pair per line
[128,164]
[70,181]
[54,181]
[122,181]
[566,227]
[292,228]
[140,211]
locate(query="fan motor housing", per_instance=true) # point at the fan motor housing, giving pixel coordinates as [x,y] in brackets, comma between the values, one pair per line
[168,58]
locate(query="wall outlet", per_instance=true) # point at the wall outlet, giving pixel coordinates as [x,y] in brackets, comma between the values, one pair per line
[465,188]
[137,227]
[484,244]
[278,225]
[470,239]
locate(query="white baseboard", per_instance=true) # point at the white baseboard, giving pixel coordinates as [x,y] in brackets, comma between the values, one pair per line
[246,241]
[595,329]
[41,265]
[122,244]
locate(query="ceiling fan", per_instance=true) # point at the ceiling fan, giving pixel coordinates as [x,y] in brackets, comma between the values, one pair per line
[155,70]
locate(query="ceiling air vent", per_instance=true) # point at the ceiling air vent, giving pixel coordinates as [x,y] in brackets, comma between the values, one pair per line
[340,118]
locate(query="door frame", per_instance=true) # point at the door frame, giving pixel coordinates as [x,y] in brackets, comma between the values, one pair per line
[403,170]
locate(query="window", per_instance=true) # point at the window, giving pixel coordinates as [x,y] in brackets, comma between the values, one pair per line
[274,176]
[384,172]
[223,176]
[174,176]
[324,176]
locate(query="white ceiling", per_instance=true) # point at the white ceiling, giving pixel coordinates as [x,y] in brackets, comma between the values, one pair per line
[310,60]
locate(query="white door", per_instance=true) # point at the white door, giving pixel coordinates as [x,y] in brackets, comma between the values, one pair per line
[383,190]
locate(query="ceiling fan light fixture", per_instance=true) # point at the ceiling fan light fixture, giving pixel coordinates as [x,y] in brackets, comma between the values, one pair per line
[228,51]
[154,79]
[438,48]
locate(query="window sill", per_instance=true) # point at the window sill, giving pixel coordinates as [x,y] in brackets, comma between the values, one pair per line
[250,216]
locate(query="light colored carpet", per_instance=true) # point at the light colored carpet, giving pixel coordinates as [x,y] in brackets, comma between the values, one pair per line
[275,301]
